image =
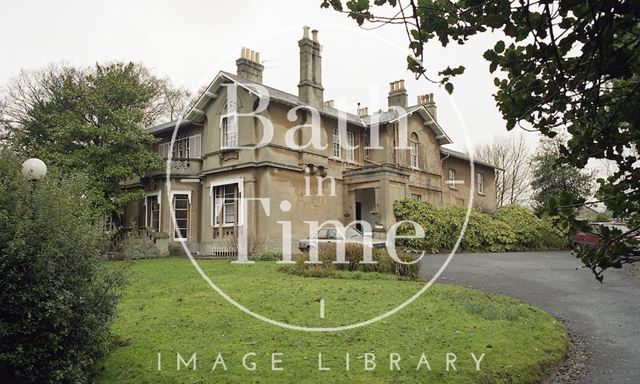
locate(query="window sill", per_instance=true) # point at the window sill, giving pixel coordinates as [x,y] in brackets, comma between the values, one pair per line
[481,194]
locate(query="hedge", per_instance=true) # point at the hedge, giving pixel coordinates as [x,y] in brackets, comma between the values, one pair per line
[510,228]
[353,256]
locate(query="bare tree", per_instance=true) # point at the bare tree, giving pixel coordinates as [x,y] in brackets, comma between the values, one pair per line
[512,155]
[36,87]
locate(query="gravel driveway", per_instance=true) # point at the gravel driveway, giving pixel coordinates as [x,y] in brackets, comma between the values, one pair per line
[606,316]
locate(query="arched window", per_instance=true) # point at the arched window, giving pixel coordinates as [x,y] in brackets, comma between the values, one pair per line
[414,154]
[229,127]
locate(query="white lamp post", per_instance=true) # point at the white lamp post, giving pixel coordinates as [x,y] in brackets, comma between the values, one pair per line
[34,169]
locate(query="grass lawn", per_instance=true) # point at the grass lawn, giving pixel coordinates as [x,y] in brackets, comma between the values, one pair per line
[168,308]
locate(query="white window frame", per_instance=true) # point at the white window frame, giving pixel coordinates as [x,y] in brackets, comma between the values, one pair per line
[367,143]
[173,231]
[452,178]
[414,154]
[351,144]
[224,133]
[480,183]
[218,183]
[336,145]
[158,194]
[193,147]
[416,197]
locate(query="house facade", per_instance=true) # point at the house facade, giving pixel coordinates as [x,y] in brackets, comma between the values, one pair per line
[225,177]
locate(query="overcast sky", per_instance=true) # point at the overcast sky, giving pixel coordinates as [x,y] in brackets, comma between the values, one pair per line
[189,41]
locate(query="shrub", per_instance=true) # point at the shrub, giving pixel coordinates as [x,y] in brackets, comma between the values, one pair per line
[353,256]
[56,296]
[136,249]
[510,228]
[267,256]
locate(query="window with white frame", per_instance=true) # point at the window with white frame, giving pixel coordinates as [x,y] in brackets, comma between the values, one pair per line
[414,154]
[452,178]
[417,197]
[367,143]
[152,212]
[229,132]
[351,141]
[226,204]
[481,183]
[187,147]
[336,143]
[181,211]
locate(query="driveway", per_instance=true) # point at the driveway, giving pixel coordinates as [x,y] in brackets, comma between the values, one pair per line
[606,316]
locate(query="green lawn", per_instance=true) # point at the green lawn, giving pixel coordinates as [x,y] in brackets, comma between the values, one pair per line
[167,308]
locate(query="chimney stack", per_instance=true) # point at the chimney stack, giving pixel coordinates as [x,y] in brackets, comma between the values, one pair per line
[249,67]
[328,103]
[362,112]
[428,102]
[398,96]
[310,88]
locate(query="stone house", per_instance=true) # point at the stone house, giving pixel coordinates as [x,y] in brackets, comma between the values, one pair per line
[214,162]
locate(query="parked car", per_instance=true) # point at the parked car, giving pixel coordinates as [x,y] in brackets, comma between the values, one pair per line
[328,236]
[593,235]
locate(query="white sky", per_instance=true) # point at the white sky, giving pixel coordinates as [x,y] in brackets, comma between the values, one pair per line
[190,41]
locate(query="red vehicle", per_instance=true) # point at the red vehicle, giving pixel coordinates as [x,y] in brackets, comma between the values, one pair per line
[592,236]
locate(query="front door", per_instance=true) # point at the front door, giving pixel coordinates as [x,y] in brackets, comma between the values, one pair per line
[358,216]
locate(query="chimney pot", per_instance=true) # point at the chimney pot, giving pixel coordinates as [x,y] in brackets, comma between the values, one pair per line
[397,94]
[310,88]
[429,103]
[248,65]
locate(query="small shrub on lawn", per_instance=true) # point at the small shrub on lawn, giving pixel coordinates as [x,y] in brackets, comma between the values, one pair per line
[267,256]
[136,249]
[57,298]
[510,228]
[353,255]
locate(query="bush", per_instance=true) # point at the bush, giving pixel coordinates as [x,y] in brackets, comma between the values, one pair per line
[136,249]
[56,296]
[510,228]
[353,256]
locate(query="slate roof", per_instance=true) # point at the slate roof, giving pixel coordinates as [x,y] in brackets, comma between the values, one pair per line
[464,156]
[293,100]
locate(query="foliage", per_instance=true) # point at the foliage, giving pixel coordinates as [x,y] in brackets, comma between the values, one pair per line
[57,300]
[89,120]
[353,255]
[565,66]
[554,181]
[167,309]
[267,256]
[136,249]
[510,228]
